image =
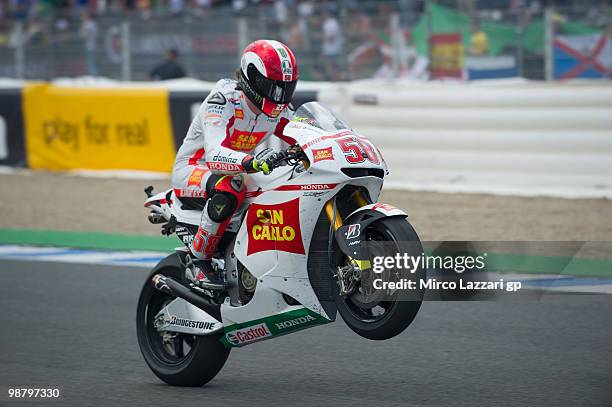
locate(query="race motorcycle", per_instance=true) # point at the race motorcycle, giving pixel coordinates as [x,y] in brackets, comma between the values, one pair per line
[298,251]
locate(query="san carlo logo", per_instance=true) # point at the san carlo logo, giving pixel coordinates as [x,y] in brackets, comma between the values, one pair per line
[275,227]
[322,154]
[250,334]
[196,177]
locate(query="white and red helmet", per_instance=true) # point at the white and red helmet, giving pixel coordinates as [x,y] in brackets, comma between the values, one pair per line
[268,75]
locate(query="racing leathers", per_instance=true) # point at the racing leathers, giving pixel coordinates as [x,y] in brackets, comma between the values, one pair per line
[210,164]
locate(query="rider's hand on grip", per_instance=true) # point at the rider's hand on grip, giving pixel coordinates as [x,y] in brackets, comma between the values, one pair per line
[264,161]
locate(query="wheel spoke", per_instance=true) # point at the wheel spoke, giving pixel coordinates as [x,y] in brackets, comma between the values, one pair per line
[178,347]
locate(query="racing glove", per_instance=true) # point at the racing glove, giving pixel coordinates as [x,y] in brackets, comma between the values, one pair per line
[264,161]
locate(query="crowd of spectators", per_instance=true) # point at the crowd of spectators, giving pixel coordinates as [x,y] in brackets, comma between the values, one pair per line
[343,39]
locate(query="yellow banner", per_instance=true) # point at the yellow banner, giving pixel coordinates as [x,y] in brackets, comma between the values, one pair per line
[100,129]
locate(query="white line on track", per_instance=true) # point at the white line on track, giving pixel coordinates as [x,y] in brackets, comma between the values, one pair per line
[148,259]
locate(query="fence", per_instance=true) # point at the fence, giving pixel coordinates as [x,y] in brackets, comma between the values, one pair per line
[384,39]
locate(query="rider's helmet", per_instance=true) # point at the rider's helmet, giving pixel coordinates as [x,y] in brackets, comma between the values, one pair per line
[268,75]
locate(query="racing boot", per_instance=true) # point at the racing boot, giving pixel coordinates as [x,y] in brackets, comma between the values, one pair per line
[202,274]
[226,195]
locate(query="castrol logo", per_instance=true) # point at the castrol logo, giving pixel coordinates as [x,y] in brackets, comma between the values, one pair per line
[250,334]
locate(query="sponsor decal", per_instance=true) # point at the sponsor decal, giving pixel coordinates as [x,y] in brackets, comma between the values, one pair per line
[275,227]
[306,187]
[383,207]
[272,325]
[195,179]
[277,110]
[324,188]
[78,128]
[353,231]
[315,194]
[224,166]
[190,323]
[322,154]
[214,119]
[214,109]
[295,322]
[238,112]
[285,64]
[243,140]
[224,159]
[183,233]
[215,122]
[189,193]
[250,334]
[219,208]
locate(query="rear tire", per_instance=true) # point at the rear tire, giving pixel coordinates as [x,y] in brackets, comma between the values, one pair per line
[398,315]
[205,357]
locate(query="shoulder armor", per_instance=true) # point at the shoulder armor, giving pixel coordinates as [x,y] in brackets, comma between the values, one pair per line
[217,99]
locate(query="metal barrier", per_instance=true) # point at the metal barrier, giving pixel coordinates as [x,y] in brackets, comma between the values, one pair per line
[376,39]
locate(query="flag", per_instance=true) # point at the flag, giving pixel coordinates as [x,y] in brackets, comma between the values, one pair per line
[490,67]
[583,56]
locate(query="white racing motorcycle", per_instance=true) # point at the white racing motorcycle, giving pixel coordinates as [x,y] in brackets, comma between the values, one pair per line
[298,251]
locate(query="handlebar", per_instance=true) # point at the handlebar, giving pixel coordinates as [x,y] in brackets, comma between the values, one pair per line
[291,156]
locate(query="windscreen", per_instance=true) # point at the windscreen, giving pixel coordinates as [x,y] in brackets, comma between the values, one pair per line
[317,115]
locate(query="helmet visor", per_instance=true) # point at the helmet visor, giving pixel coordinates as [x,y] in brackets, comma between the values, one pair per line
[275,91]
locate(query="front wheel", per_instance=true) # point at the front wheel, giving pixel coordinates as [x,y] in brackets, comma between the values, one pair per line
[176,358]
[374,314]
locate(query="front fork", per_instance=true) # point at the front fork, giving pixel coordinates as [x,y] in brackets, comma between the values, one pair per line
[335,219]
[346,274]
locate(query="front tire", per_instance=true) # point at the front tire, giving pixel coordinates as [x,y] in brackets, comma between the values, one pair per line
[177,359]
[397,314]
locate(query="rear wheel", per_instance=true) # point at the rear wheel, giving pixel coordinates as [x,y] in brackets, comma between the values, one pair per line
[374,314]
[176,358]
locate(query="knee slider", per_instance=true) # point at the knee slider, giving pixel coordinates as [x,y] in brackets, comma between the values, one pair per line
[221,206]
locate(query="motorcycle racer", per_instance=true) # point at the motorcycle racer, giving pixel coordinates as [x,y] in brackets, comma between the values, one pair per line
[236,131]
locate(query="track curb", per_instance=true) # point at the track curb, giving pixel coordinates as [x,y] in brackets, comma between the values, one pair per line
[501,262]
[87,240]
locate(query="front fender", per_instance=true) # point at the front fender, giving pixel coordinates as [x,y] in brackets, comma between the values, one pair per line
[349,236]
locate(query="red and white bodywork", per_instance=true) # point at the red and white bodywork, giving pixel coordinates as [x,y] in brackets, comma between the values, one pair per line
[276,222]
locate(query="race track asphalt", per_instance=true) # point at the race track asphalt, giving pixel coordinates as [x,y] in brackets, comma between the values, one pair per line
[72,326]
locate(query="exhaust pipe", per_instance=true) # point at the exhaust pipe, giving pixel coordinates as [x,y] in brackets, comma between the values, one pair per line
[172,287]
